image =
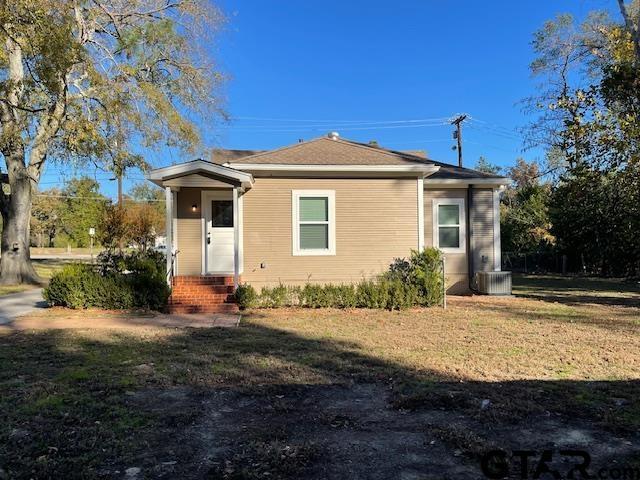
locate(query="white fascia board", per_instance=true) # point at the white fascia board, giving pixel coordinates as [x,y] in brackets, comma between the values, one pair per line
[158,175]
[263,167]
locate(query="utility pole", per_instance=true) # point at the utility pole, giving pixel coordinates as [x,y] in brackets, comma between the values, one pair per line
[458,135]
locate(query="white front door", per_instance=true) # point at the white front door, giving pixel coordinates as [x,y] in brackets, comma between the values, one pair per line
[219,231]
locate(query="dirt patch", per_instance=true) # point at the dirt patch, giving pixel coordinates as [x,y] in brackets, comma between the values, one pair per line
[341,431]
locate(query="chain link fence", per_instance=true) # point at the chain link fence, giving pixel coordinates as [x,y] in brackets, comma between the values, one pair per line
[540,262]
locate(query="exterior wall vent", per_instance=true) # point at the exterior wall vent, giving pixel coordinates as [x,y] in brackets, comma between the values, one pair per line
[494,283]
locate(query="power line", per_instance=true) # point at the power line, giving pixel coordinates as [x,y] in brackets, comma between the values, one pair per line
[436,140]
[302,130]
[103,199]
[339,125]
[436,119]
[494,129]
[495,133]
[493,125]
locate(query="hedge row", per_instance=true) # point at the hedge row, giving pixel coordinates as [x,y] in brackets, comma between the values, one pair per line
[116,282]
[413,282]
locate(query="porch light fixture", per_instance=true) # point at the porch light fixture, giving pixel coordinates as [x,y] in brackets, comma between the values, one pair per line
[194,208]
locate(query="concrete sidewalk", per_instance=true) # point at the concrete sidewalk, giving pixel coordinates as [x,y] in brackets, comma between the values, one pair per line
[17,304]
[58,318]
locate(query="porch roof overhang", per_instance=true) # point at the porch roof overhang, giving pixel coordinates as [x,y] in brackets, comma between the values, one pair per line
[217,173]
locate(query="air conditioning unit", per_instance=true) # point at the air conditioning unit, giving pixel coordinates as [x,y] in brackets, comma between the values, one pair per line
[494,283]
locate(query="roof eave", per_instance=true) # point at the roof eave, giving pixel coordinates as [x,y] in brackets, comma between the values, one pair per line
[496,182]
[426,169]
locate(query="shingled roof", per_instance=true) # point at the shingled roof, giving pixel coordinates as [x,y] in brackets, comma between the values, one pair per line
[338,151]
[327,151]
[223,155]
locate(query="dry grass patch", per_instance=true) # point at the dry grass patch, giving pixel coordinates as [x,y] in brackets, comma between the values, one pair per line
[481,338]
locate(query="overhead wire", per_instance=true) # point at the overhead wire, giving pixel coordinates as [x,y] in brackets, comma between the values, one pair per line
[434,119]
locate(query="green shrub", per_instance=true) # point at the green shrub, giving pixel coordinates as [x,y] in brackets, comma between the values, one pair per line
[426,275]
[423,270]
[314,296]
[407,283]
[399,269]
[382,292]
[246,296]
[372,294]
[66,287]
[345,296]
[124,283]
[275,297]
[400,295]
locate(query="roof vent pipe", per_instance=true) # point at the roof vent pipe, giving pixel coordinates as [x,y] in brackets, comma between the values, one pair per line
[333,135]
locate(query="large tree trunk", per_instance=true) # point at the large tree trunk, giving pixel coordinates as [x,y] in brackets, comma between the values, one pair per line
[15,261]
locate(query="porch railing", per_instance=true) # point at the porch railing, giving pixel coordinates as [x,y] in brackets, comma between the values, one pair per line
[172,267]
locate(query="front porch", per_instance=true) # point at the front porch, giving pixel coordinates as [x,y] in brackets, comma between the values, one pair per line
[204,234]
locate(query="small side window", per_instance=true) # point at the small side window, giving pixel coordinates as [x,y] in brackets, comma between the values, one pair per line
[448,225]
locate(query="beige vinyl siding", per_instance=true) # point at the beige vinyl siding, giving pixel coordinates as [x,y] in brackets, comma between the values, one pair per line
[482,229]
[376,221]
[189,234]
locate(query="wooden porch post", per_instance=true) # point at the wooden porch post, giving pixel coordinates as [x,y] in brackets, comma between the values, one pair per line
[168,199]
[236,239]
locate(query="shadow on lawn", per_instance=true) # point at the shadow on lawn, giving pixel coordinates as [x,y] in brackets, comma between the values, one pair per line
[74,406]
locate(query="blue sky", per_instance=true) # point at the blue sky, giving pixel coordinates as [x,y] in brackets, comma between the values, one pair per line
[298,69]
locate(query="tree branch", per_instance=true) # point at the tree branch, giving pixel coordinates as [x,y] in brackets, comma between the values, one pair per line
[16,78]
[24,109]
[634,29]
[46,131]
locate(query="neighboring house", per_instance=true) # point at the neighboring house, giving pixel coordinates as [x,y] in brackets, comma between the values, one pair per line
[327,210]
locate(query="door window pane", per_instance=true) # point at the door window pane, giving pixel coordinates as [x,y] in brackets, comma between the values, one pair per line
[222,213]
[314,236]
[314,209]
[448,215]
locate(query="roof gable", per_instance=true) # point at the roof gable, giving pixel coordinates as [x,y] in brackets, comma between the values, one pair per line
[202,168]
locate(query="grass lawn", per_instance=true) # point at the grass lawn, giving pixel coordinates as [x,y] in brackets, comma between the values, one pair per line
[45,268]
[330,394]
[577,290]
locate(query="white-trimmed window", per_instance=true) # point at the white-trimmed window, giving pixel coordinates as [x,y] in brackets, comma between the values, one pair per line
[313,222]
[449,225]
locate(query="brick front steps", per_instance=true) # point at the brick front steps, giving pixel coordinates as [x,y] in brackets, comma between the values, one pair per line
[202,294]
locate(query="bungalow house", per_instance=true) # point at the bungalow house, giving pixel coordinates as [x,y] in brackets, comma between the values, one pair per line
[328,210]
